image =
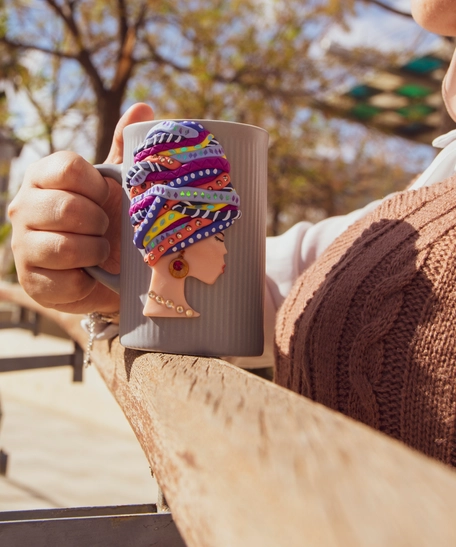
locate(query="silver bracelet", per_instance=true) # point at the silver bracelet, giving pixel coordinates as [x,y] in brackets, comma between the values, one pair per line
[95,319]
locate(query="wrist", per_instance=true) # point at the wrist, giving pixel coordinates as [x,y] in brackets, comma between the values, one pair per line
[103,317]
[100,326]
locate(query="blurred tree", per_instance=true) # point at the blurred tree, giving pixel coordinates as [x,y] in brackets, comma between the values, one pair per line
[86,46]
[253,61]
[10,148]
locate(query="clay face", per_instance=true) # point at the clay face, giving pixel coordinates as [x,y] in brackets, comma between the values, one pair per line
[206,259]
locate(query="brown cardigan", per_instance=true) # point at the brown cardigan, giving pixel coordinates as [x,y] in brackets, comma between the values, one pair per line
[370,328]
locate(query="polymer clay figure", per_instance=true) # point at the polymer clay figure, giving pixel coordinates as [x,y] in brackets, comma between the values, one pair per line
[203,260]
[182,201]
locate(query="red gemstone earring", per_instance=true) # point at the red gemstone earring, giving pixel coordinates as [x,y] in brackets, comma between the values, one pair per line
[178,267]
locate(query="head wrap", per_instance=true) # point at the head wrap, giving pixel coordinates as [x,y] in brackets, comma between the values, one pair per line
[180,189]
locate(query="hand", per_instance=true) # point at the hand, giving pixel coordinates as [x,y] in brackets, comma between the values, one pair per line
[65,217]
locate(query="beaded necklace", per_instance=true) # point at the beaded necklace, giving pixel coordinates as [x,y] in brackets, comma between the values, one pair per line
[170,304]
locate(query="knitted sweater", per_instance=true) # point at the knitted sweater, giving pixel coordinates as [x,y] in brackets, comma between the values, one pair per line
[370,328]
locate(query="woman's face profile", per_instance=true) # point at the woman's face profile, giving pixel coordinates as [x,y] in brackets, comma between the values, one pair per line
[206,259]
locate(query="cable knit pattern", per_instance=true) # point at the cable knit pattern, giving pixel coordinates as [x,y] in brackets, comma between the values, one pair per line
[370,328]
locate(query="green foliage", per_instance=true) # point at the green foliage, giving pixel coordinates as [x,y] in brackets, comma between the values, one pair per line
[5,231]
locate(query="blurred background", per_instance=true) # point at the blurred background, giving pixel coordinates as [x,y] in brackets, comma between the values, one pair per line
[349,91]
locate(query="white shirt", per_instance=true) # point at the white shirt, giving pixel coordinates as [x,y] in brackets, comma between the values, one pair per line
[290,254]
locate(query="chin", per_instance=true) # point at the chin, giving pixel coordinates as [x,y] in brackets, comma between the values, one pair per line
[211,280]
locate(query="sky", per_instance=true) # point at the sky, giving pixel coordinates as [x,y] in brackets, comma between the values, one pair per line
[374,27]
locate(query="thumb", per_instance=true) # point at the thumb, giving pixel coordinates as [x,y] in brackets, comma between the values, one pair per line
[139,112]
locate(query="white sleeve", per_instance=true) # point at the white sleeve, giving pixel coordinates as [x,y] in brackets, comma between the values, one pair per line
[287,256]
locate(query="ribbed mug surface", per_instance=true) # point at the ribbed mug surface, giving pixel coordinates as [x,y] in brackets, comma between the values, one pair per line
[231,320]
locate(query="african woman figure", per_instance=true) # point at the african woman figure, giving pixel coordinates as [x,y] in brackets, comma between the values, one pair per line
[182,201]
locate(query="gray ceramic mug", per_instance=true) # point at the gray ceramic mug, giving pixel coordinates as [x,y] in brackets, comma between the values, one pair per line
[230,321]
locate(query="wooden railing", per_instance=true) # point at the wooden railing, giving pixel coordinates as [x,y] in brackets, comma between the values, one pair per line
[243,462]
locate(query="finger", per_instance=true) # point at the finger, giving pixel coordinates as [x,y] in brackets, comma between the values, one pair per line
[64,171]
[60,250]
[139,112]
[71,291]
[51,287]
[57,210]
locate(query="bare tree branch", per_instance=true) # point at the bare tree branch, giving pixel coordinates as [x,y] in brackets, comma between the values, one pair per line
[83,54]
[34,47]
[123,20]
[389,8]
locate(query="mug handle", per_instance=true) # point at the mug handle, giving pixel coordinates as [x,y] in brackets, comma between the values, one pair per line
[112,281]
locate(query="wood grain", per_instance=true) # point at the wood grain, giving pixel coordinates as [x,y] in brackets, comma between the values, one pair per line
[243,462]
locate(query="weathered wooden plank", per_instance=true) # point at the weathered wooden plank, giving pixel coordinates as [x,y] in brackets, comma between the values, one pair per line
[69,323]
[76,512]
[136,529]
[243,462]
[10,364]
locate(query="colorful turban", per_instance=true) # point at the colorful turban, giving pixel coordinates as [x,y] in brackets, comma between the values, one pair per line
[180,189]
